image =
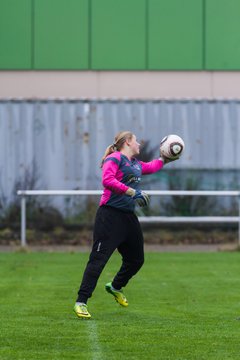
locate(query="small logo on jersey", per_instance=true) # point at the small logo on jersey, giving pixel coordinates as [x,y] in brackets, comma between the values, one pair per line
[131,179]
[136,166]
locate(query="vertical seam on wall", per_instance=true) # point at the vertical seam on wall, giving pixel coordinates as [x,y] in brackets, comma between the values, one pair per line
[203,34]
[33,35]
[89,34]
[146,40]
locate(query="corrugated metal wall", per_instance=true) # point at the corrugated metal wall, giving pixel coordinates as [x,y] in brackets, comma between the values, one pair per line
[67,138]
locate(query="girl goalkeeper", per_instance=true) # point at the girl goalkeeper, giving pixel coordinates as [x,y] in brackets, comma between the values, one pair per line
[116,225]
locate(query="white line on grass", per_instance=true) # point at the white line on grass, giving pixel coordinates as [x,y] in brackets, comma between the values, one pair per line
[96,349]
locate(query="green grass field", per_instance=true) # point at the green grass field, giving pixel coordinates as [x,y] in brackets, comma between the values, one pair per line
[181,306]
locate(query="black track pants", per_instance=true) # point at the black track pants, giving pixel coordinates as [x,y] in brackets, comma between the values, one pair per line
[114,229]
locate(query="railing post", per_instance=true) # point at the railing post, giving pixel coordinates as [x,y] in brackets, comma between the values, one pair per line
[239,220]
[23,221]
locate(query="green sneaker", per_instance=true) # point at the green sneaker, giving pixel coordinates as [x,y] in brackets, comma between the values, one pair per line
[81,311]
[118,294]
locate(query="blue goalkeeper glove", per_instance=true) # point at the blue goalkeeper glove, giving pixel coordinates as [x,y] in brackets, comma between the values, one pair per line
[142,199]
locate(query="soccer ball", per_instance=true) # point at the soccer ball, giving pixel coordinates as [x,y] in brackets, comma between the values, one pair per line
[172,146]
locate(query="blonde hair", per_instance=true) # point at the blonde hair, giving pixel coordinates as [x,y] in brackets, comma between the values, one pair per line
[119,141]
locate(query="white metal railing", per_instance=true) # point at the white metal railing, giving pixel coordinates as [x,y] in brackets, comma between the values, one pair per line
[143,219]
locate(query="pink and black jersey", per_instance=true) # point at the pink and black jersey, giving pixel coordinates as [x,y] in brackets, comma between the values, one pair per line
[120,173]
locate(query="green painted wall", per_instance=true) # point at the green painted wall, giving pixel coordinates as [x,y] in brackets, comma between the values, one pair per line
[120,34]
[222,35]
[61,35]
[175,35]
[15,34]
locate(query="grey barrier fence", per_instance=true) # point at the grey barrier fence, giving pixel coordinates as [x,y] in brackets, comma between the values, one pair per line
[144,219]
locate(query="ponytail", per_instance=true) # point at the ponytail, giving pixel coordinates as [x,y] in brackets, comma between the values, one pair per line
[109,150]
[120,139]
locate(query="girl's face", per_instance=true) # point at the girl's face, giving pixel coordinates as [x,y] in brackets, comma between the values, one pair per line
[134,145]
